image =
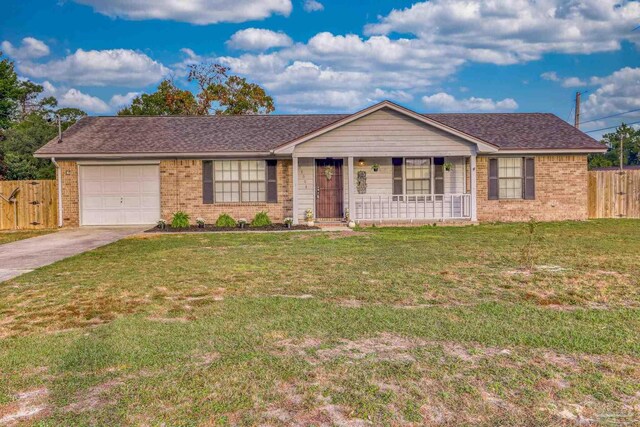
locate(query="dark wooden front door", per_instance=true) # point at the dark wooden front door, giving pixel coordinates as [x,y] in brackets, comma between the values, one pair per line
[329,191]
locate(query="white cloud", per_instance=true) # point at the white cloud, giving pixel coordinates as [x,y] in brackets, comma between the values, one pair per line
[75,99]
[312,6]
[446,102]
[551,76]
[436,39]
[258,39]
[512,31]
[573,82]
[565,82]
[118,100]
[30,48]
[200,12]
[117,67]
[298,75]
[616,93]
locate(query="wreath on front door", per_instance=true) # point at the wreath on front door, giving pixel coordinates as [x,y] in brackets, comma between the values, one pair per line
[328,172]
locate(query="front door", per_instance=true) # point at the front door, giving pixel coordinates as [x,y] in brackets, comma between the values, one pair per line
[329,191]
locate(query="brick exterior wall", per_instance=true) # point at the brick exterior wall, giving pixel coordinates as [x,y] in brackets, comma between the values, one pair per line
[70,205]
[181,189]
[561,192]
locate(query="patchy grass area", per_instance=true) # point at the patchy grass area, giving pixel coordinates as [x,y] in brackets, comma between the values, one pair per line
[384,326]
[12,236]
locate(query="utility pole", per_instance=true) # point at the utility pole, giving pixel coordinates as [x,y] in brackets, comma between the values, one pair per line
[577,110]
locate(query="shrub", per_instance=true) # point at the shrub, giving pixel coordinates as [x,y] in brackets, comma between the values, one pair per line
[180,220]
[225,220]
[261,220]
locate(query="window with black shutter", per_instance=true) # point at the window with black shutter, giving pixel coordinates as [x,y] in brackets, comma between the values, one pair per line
[397,175]
[529,178]
[272,181]
[512,178]
[438,175]
[207,182]
[493,179]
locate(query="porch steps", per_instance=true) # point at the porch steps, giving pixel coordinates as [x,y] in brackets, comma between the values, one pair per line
[333,225]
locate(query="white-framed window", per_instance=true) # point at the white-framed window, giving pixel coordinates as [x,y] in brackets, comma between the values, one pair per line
[418,176]
[239,181]
[510,173]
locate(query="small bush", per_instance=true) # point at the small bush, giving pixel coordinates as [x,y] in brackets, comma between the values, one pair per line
[180,220]
[261,220]
[225,220]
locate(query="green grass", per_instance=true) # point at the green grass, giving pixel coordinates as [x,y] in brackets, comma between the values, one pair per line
[12,236]
[388,325]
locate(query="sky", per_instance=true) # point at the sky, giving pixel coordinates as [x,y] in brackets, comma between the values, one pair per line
[319,56]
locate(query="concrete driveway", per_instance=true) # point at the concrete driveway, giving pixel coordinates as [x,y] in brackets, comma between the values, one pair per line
[20,257]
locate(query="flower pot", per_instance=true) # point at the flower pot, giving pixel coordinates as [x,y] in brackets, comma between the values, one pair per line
[310,223]
[351,224]
[288,225]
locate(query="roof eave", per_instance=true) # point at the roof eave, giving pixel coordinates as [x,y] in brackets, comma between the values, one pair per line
[578,150]
[164,155]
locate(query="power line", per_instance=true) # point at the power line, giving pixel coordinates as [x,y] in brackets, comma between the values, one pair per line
[611,127]
[613,115]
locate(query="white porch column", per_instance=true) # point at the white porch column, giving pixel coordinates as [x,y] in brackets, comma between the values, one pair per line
[474,189]
[351,186]
[295,191]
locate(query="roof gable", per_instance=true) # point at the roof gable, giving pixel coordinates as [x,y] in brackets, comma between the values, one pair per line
[288,147]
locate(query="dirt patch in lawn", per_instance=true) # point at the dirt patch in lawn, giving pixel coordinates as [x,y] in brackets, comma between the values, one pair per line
[28,406]
[384,347]
[95,398]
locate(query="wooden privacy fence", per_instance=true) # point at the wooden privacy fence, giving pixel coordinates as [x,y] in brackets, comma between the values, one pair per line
[614,194]
[28,205]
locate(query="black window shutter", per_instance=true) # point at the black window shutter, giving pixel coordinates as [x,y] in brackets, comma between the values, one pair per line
[493,179]
[397,175]
[529,178]
[272,181]
[438,175]
[207,182]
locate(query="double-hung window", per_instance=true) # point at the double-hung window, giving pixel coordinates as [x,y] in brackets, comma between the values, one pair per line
[418,176]
[512,178]
[239,181]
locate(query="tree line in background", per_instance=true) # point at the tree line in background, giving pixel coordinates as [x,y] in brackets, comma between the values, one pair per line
[630,148]
[28,119]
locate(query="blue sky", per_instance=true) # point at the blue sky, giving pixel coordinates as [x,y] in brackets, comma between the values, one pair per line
[337,56]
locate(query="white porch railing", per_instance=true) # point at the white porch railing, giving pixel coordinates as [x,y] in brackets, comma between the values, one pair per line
[412,207]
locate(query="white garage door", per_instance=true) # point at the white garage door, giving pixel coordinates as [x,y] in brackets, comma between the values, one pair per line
[119,195]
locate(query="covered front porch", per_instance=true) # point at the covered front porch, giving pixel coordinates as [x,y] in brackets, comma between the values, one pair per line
[389,189]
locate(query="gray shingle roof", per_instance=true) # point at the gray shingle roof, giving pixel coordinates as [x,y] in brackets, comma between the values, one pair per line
[213,134]
[519,131]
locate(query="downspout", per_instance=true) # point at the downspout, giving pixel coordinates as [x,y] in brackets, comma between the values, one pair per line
[59,180]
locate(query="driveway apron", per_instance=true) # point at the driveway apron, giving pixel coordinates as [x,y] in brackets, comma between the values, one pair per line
[20,257]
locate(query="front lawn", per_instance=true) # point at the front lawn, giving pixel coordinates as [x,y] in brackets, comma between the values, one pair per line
[394,326]
[12,236]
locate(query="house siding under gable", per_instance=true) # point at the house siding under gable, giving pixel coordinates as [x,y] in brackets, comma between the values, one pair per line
[385,133]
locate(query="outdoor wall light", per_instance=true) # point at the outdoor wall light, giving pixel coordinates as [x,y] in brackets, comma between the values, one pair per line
[361,162]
